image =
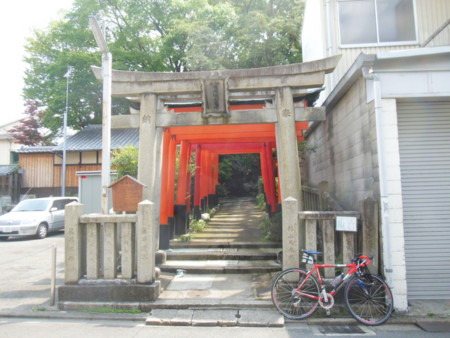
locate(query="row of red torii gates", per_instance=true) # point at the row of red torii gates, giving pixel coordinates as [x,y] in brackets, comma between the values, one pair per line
[208,143]
[225,112]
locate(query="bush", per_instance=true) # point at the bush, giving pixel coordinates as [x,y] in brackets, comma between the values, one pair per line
[125,161]
[197,225]
[261,202]
[272,227]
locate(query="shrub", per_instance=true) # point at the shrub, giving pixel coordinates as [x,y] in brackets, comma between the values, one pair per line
[272,227]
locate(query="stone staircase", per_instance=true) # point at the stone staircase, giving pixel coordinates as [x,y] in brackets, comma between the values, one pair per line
[231,243]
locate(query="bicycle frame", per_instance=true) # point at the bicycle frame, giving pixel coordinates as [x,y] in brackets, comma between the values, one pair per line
[297,293]
[352,268]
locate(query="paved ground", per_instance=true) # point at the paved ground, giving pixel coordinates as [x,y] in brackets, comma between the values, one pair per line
[238,220]
[25,294]
[26,272]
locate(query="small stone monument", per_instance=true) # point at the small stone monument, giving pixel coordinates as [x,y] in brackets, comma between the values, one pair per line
[126,194]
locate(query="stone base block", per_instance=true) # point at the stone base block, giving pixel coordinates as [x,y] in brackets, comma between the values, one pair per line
[160,257]
[104,291]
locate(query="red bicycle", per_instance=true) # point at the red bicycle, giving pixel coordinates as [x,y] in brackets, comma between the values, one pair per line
[297,293]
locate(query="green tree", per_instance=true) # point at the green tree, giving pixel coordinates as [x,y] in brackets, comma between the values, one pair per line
[153,35]
[125,161]
[239,174]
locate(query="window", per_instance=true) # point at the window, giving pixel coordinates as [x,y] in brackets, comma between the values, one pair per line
[376,21]
[14,158]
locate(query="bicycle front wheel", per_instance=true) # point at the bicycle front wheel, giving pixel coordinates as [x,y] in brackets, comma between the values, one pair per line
[369,299]
[290,300]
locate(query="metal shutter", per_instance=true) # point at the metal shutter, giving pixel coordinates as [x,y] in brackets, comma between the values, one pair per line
[424,138]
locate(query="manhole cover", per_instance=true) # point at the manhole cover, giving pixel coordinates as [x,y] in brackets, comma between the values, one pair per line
[198,293]
[342,330]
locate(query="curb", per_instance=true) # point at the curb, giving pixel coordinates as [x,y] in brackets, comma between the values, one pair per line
[144,317]
[75,315]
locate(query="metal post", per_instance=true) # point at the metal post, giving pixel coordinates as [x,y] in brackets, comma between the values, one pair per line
[64,160]
[53,277]
[106,129]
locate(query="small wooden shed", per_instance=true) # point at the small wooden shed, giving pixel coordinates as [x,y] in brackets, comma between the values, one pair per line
[126,194]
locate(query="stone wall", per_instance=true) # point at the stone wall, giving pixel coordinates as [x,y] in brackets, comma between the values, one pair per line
[345,154]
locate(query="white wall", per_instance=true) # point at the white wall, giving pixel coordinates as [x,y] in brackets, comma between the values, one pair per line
[430,16]
[313,34]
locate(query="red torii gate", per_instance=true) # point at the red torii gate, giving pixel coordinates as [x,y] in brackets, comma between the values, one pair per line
[208,142]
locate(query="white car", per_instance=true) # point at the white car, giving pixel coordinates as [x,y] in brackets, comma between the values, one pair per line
[35,217]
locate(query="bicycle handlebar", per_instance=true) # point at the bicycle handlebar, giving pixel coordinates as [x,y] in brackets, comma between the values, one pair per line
[362,260]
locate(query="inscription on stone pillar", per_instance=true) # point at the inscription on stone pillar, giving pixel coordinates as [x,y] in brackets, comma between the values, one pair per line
[214,98]
[147,118]
[286,112]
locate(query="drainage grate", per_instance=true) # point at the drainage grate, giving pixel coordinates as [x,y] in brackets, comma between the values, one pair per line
[342,330]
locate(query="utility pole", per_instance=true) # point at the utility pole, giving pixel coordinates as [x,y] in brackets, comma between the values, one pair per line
[106,117]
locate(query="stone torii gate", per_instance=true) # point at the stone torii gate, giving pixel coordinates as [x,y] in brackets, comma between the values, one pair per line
[215,91]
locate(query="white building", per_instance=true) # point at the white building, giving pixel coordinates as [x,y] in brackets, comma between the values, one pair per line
[7,144]
[387,131]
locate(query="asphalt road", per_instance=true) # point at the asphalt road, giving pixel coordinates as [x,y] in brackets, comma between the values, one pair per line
[26,266]
[106,328]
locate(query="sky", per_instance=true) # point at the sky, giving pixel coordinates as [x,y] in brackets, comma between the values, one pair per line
[18,18]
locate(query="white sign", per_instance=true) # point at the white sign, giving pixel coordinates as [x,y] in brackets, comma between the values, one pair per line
[345,223]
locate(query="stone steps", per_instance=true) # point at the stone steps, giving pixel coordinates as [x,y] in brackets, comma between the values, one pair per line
[219,243]
[223,254]
[220,266]
[216,317]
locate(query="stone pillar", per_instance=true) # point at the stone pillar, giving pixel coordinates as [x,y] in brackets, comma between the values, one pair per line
[291,255]
[311,234]
[92,250]
[110,251]
[147,135]
[329,253]
[128,250]
[286,136]
[369,213]
[74,268]
[288,163]
[145,253]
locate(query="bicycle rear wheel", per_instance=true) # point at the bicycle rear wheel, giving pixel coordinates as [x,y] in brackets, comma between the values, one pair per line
[291,302]
[369,299]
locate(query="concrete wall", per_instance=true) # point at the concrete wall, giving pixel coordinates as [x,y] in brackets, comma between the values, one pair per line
[345,153]
[346,157]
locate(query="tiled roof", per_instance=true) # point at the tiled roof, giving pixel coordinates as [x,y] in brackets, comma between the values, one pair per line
[35,149]
[90,138]
[6,170]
